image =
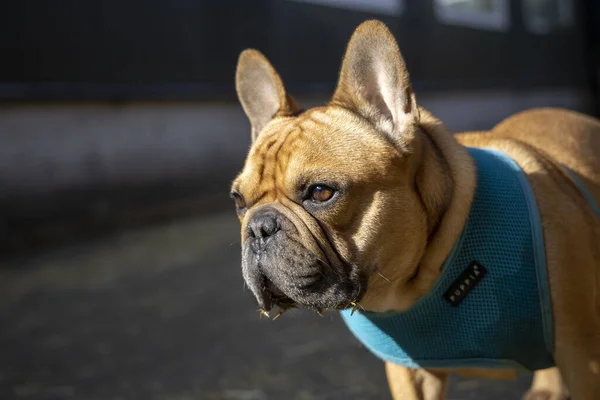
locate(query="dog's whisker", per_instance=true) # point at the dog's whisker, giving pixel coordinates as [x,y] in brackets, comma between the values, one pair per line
[326,265]
[381,275]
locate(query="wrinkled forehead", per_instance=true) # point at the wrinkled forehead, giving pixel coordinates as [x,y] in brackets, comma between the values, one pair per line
[320,143]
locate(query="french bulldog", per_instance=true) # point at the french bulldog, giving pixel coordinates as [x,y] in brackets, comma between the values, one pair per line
[358,204]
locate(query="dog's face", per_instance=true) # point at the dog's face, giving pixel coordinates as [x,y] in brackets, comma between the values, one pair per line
[326,199]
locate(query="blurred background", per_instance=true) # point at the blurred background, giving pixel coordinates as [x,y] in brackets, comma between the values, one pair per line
[120,133]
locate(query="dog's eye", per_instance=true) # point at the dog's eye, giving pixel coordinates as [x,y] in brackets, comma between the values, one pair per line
[239,200]
[321,193]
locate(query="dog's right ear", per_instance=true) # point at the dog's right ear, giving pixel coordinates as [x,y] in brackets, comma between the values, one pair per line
[260,90]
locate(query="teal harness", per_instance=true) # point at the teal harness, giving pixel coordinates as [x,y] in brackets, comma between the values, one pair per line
[491,305]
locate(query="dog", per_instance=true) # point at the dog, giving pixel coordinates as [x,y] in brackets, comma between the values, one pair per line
[359,205]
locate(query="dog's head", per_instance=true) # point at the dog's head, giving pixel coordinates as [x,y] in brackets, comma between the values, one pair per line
[327,198]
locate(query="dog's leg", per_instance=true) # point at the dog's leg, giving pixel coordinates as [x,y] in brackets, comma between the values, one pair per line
[580,368]
[416,384]
[547,385]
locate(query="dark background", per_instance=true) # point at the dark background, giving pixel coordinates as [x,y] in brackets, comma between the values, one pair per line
[185,49]
[119,135]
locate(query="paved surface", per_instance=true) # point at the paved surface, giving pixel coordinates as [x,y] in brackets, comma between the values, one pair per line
[161,313]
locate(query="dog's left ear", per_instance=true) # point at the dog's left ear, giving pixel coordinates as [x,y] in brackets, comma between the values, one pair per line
[374,82]
[261,91]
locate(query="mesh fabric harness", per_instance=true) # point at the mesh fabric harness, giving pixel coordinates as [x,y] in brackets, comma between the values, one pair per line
[506,319]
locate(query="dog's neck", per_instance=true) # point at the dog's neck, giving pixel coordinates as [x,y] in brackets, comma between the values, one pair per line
[432,181]
[445,180]
[456,172]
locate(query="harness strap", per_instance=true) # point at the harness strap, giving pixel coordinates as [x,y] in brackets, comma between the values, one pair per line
[583,191]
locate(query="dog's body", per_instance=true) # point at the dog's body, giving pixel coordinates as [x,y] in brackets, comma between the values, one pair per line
[540,141]
[360,202]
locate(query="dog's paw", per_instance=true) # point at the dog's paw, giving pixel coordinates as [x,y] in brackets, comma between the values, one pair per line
[544,395]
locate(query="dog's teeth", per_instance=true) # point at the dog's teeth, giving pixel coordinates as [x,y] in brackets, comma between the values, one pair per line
[264,312]
[279,314]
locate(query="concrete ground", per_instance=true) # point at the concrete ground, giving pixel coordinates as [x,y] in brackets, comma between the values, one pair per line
[161,313]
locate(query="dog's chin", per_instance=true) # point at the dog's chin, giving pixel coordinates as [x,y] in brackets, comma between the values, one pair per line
[332,290]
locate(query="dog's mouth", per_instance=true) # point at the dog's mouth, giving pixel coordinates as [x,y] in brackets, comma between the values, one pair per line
[273,296]
[281,272]
[326,293]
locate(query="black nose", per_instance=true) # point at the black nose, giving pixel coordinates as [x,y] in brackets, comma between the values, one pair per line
[262,227]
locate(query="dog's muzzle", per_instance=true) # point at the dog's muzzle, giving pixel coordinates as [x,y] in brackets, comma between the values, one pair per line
[280,270]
